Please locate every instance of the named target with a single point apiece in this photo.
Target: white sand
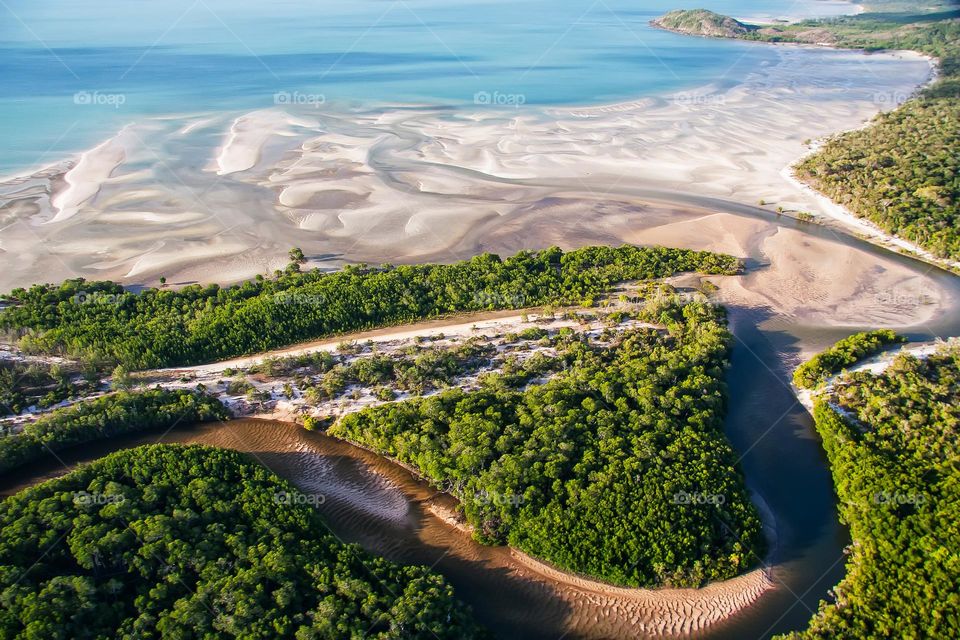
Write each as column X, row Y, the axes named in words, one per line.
column 876, row 364
column 248, row 134
column 86, row 178
column 404, row 185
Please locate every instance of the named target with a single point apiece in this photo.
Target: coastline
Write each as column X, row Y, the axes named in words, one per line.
column 862, row 227
column 832, row 210
column 408, row 186
column 875, row 364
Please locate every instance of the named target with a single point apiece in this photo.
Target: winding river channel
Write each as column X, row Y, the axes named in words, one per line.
column 381, row 506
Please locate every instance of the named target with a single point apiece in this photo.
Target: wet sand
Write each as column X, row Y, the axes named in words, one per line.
column 220, row 198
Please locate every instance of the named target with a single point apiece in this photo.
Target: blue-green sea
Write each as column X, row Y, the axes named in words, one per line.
column 73, row 73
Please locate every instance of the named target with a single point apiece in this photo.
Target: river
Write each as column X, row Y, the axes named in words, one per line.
column 381, row 506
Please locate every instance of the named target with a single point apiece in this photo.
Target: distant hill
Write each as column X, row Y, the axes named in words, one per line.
column 701, row 22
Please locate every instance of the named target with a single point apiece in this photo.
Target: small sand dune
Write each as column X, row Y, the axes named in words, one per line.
column 248, row 134
column 85, row 179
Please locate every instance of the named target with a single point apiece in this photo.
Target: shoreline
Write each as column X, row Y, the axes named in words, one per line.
column 408, row 186
column 860, row 227
column 875, row 364
column 656, row 611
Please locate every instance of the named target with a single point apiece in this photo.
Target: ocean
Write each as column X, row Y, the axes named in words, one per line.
column 75, row 73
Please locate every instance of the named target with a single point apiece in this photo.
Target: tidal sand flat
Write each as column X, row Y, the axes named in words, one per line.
column 217, row 199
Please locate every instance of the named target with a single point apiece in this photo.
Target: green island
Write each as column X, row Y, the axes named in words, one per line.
column 187, row 541
column 844, row 353
column 891, row 438
column 616, row 467
column 105, row 417
column 902, row 172
column 100, row 322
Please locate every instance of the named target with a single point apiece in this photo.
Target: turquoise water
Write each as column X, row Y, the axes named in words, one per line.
column 73, row 73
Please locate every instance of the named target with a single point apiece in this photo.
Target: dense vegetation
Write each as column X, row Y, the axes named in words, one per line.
column 194, row 542
column 197, row 324
column 844, row 353
column 702, row 22
column 616, row 467
column 105, row 417
column 903, row 172
column 894, row 458
column 25, row 384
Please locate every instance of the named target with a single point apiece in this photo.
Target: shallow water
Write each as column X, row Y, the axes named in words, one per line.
column 74, row 73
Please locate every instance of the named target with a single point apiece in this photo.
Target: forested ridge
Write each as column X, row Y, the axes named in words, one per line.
column 196, row 542
column 616, row 468
column 158, row 327
column 892, row 441
column 902, row 172
column 105, row 417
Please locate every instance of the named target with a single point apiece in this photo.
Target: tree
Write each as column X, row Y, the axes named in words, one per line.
column 296, row 256
column 121, row 379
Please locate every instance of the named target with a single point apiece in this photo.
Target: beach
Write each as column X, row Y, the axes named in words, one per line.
column 220, row 199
